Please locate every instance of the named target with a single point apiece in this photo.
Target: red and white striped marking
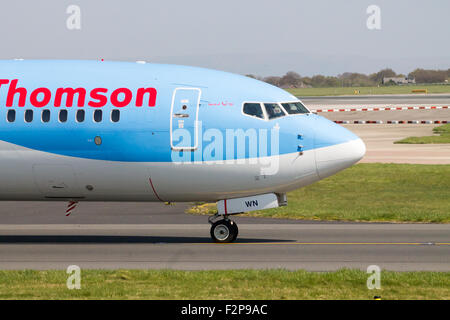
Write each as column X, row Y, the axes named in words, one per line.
column 70, row 207
column 392, row 122
column 380, row 109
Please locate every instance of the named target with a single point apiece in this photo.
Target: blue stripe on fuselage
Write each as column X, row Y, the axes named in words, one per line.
column 142, row 134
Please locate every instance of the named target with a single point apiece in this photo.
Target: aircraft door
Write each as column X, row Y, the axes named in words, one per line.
column 184, row 118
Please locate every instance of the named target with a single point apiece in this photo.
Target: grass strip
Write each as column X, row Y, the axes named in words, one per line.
column 442, row 135
column 372, row 192
column 227, row 284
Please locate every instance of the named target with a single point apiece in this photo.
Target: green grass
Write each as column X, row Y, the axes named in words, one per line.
column 442, row 136
column 304, row 92
column 369, row 192
column 228, row 284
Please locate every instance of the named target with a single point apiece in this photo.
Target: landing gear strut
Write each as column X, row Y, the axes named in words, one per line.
column 223, row 230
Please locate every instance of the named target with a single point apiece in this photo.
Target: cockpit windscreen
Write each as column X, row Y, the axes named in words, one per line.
column 273, row 110
column 294, row 108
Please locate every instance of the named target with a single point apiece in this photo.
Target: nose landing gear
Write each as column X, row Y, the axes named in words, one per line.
column 223, row 230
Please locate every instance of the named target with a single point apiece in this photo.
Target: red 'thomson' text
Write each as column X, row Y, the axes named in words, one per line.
column 68, row 97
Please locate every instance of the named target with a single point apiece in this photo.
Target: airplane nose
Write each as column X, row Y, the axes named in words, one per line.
column 334, row 158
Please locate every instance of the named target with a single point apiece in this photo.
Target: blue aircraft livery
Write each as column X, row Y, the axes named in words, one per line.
column 122, row 131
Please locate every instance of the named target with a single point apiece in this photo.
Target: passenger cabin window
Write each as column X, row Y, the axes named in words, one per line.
column 254, row 110
column 11, row 115
column 295, row 108
column 115, row 115
column 28, row 115
column 80, row 115
column 45, row 117
column 62, row 115
column 273, row 110
column 98, row 115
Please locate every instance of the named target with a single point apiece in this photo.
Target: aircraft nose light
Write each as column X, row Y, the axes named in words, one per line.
column 332, row 159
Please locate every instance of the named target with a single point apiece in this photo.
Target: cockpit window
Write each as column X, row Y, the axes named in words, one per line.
column 254, row 110
column 273, row 110
column 294, row 108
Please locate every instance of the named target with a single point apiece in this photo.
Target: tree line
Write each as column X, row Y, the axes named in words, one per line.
column 352, row 79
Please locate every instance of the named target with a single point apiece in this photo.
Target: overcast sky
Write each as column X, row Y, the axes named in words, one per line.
column 263, row 37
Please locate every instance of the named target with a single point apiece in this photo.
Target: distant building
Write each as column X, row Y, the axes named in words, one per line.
column 398, row 80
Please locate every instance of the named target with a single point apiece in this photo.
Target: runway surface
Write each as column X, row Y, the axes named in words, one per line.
column 395, row 99
column 318, row 247
column 151, row 235
column 405, row 115
column 380, row 138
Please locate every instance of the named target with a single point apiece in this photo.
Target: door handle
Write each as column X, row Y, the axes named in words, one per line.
column 180, row 115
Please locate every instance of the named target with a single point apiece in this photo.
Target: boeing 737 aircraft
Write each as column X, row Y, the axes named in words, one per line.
column 122, row 131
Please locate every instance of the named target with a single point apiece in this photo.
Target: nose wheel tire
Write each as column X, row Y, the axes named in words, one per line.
column 224, row 231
